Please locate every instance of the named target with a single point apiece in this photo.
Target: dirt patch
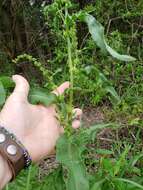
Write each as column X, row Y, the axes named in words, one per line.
column 92, row 115
column 47, row 166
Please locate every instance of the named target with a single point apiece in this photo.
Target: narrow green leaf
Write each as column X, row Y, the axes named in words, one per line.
column 97, row 32
column 69, row 154
column 97, row 127
column 115, row 98
column 136, row 159
column 2, row 94
column 37, row 96
column 97, row 185
column 91, row 132
column 48, row 182
column 121, row 162
column 130, row 182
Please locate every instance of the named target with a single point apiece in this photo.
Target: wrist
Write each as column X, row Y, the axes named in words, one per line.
column 14, row 152
column 5, row 172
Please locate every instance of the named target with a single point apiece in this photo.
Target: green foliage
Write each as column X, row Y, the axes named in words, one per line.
column 97, row 32
column 46, row 74
column 28, row 180
column 89, row 89
column 5, row 84
column 69, row 155
column 2, row 94
column 70, row 54
column 113, row 171
column 37, row 96
column 68, row 34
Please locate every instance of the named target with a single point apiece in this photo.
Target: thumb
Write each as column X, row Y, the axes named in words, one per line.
column 21, row 89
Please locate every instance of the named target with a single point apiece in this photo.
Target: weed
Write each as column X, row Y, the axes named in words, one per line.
column 117, row 168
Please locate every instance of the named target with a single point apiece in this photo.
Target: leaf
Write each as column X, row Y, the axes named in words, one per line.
column 21, row 181
column 97, row 32
column 129, row 182
column 108, row 165
column 48, row 183
column 7, row 82
column 2, row 94
column 136, row 159
column 69, row 154
column 91, row 132
column 121, row 162
column 96, row 127
column 97, row 185
column 37, row 96
column 115, row 98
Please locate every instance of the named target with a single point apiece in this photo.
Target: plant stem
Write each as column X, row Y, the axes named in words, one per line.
column 28, row 179
column 70, row 62
column 70, row 70
column 7, row 187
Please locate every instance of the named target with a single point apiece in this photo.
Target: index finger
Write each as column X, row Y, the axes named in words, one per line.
column 60, row 90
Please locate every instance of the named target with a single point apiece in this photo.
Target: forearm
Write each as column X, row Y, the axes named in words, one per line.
column 5, row 172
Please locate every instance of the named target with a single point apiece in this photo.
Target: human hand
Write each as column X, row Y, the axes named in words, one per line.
column 35, row 126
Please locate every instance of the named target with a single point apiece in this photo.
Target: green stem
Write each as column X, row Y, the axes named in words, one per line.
column 7, row 187
column 28, row 179
column 70, row 62
column 70, row 70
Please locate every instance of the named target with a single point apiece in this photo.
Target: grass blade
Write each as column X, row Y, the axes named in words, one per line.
column 130, row 182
